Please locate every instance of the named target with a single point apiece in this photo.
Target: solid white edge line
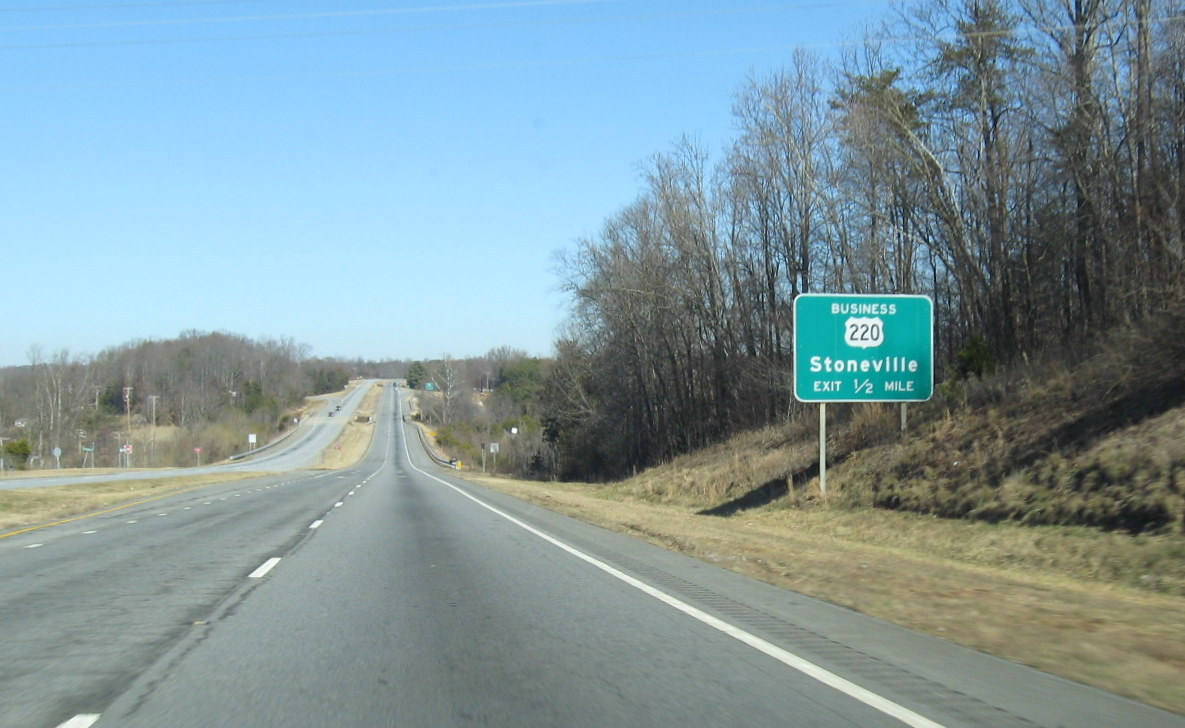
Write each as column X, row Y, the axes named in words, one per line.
column 806, row 667
column 264, row 568
column 84, row 720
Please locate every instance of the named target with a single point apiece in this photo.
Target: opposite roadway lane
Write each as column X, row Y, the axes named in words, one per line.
column 395, row 594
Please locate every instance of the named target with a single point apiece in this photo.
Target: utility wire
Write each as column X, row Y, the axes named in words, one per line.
column 507, row 66
column 543, row 23
column 326, row 15
column 125, row 6
column 425, row 28
column 576, row 61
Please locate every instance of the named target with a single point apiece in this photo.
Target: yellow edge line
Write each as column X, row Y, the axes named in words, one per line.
column 92, row 514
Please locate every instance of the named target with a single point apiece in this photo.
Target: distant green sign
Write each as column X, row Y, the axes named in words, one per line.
column 863, row 348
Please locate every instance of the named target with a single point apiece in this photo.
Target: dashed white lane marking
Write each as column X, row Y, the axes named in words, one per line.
column 84, row 720
column 264, row 568
column 317, row 523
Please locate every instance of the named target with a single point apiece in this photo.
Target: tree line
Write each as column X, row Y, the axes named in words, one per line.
column 212, row 388
column 1022, row 162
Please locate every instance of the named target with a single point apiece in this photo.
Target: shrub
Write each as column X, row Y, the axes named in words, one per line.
column 20, row 450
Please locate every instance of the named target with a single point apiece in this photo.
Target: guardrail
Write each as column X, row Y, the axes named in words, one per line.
column 451, row 463
column 291, row 431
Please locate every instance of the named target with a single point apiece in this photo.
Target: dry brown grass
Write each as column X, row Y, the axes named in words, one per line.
column 967, row 583
column 1091, row 437
column 716, row 474
column 58, row 473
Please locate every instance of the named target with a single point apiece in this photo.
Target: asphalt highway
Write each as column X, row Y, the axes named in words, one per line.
column 396, row 594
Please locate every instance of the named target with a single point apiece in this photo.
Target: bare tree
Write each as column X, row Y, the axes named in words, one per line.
column 450, row 378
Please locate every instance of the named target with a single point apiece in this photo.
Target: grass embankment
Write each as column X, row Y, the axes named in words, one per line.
column 1094, row 440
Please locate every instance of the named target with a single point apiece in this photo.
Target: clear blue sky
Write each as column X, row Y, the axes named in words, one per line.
column 373, row 178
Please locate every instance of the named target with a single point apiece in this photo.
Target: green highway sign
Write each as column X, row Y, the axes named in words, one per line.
column 863, row 348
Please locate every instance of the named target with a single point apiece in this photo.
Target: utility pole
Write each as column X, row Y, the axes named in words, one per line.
column 152, row 447
column 127, row 406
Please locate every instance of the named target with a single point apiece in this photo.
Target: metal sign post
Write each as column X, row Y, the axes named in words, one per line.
column 823, row 449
